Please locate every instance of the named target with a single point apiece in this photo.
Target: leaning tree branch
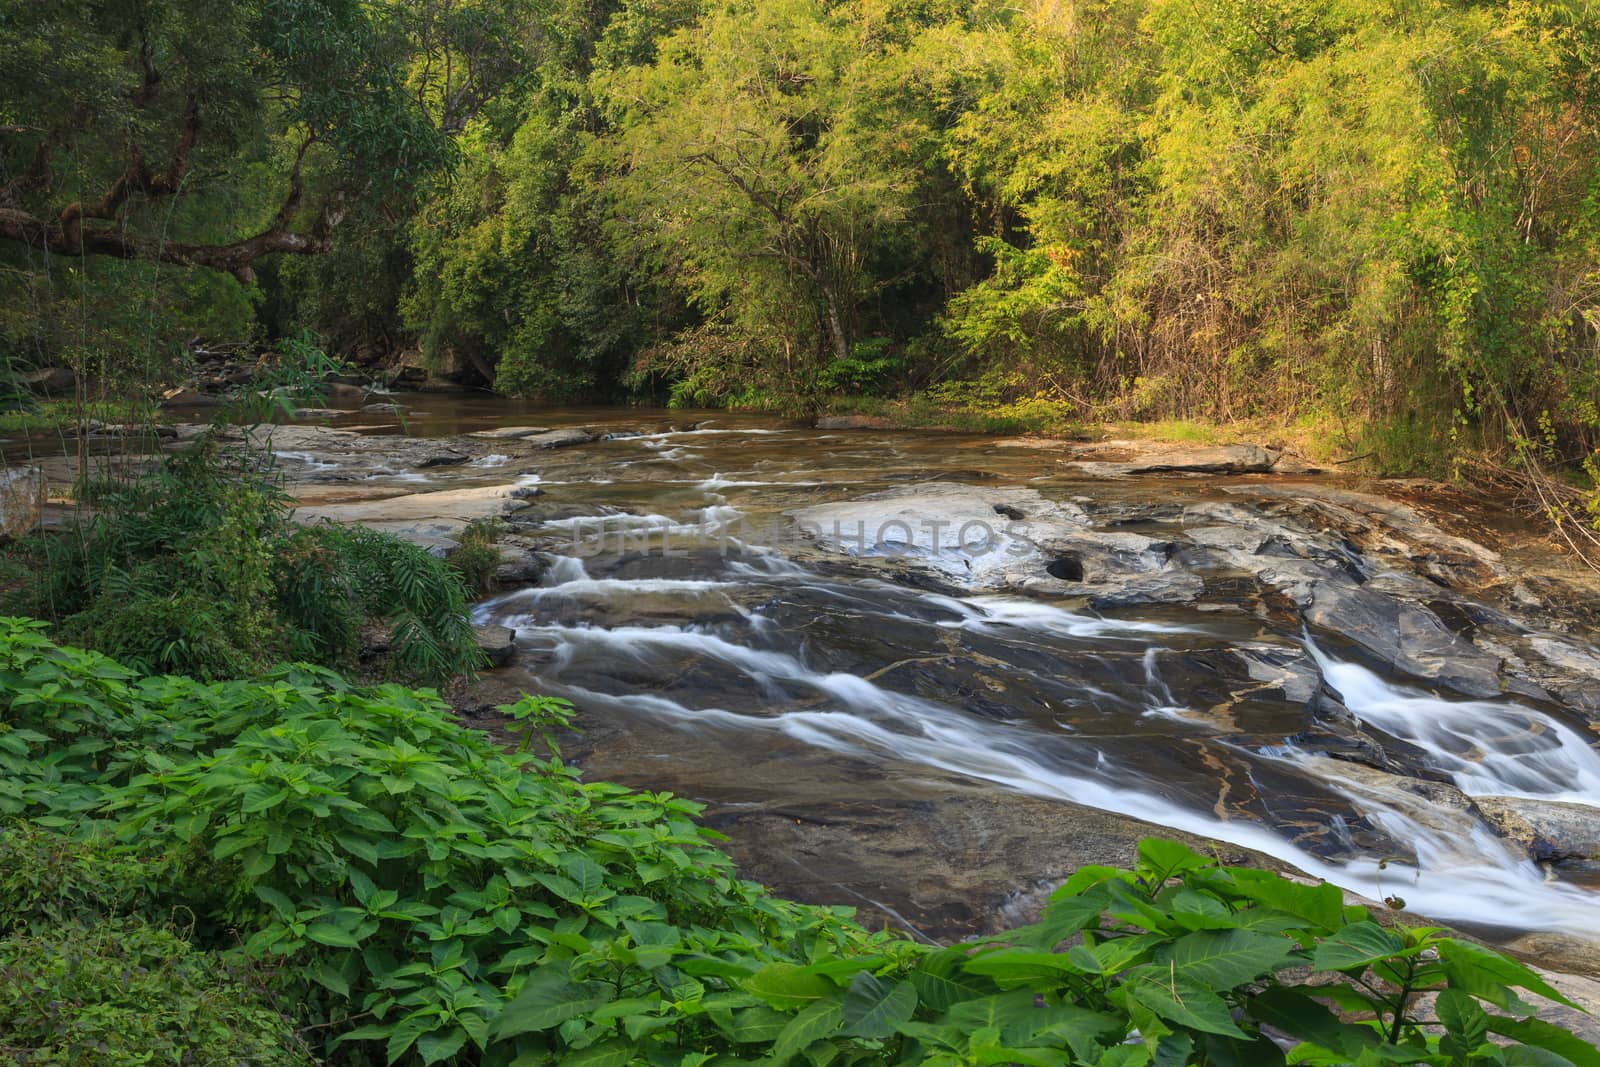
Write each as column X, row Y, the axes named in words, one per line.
column 68, row 235
column 237, row 257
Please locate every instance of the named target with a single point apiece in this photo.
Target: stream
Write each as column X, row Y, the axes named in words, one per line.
column 907, row 670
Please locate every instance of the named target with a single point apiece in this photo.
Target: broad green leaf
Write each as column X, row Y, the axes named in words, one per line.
column 822, row 1019
column 549, row 999
column 1223, row 959
column 1163, row 858
column 441, row 1045
column 1468, row 964
column 613, row 1053
column 787, row 985
column 873, row 1007
column 1182, row 1001
column 1356, row 947
column 1549, row 1036
column 1321, row 905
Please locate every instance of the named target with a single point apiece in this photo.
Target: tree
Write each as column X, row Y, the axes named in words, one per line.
column 758, row 160
column 152, row 129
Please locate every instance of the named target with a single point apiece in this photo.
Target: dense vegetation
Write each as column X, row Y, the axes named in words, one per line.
column 1378, row 216
column 289, row 869
column 195, row 567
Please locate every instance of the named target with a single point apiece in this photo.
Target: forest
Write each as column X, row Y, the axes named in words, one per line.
column 1368, row 229
column 1372, row 220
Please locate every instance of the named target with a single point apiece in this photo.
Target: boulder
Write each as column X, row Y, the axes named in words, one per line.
column 518, row 565
column 561, row 438
column 1221, row 459
column 497, row 643
column 512, row 431
column 51, row 381
column 973, row 535
column 1546, row 829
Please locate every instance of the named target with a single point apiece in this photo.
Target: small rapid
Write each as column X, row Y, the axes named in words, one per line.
column 1142, row 649
column 1445, row 863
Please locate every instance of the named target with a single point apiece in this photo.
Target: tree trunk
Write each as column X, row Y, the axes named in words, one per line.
column 836, row 331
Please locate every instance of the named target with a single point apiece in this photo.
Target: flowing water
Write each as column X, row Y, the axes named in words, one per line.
column 696, row 611
column 732, row 660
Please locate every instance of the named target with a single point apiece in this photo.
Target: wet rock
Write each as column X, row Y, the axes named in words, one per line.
column 518, row 564
column 1220, row 459
column 51, row 381
column 1383, row 527
column 384, row 409
column 975, row 535
column 1114, row 568
column 443, row 513
column 1546, row 829
column 319, row 413
column 1405, row 637
column 854, row 422
column 497, row 643
column 511, row 431
column 561, row 438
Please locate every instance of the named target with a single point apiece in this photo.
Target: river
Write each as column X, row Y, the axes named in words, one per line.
column 909, row 721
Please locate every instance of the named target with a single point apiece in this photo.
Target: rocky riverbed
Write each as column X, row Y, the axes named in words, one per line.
column 930, row 673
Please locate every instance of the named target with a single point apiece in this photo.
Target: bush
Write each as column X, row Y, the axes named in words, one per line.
column 198, row 569
column 121, row 992
column 426, row 897
column 477, row 558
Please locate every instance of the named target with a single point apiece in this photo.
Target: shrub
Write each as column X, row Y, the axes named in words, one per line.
column 119, row 992
column 477, row 558
column 198, row 569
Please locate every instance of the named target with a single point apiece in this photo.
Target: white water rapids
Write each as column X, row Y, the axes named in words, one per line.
column 1459, row 870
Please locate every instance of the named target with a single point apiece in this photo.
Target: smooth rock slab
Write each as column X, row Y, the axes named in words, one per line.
column 445, row 512
column 1222, row 459
column 512, row 431
column 970, row 534
column 1547, row 829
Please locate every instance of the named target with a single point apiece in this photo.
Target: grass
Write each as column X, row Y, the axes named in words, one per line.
column 1319, row 437
column 54, row 416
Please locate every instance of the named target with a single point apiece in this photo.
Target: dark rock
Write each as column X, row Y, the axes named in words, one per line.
column 561, row 438
column 497, row 643
column 51, row 380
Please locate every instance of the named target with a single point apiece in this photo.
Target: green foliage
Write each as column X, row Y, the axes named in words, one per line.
column 421, row 896
column 477, row 558
column 198, row 568
column 122, row 991
column 871, row 369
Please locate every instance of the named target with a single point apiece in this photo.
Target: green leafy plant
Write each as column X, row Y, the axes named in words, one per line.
column 198, row 568
column 421, row 896
column 122, row 991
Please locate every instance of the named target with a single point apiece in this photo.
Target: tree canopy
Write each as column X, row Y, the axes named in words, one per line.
column 1377, row 211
